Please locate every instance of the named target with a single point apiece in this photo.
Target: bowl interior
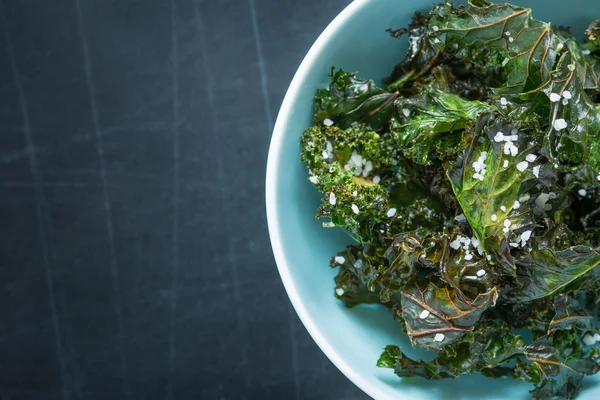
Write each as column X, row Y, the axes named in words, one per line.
column 353, row 339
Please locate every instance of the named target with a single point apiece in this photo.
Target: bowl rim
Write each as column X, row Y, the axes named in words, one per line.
column 273, row 222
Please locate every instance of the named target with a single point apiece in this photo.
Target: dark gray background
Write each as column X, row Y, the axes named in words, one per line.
column 135, row 261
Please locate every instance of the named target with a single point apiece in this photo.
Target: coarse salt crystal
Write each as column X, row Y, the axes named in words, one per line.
column 376, row 179
column 554, row 97
column 516, row 205
column 469, row 257
column 358, row 264
column 327, row 122
column 567, row 94
column 406, row 112
column 325, row 154
column 531, row 157
column 526, row 235
column 355, row 209
column 424, row 314
column 391, row 212
column 586, row 52
column 436, row 28
column 503, row 101
column 505, row 164
column 503, row 208
column 481, row 272
column 339, row 259
column 536, row 171
column 571, row 67
column 597, row 337
column 455, row 245
column 439, row 337
column 524, row 198
column 507, row 223
column 582, row 192
column 494, row 217
column 522, row 166
column 332, row 199
column 314, row 179
column 560, row 124
column 514, row 244
column 355, row 193
column 565, row 102
column 588, row 340
column 339, row 291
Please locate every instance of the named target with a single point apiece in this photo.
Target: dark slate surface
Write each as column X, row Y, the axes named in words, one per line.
column 135, row 261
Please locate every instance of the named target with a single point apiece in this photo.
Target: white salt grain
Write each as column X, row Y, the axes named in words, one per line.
column 424, row 314
column 560, row 124
column 376, row 179
column 355, row 209
column 339, row 291
column 522, row 166
column 531, row 157
column 332, row 199
column 439, row 337
column 339, row 259
column 481, row 272
column 589, row 340
column 327, row 122
column 554, row 97
column 314, row 179
column 582, row 192
column 391, row 212
column 494, row 217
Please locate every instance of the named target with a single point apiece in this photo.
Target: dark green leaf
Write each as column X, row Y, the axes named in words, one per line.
column 543, row 272
column 488, row 201
column 437, row 316
column 432, row 123
column 350, row 100
column 568, row 314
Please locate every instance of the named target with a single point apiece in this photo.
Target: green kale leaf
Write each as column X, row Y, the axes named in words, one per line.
column 350, row 99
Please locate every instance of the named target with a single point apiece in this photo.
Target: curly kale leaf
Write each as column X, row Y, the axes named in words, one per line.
column 567, row 314
column 369, row 189
column 572, row 135
column 422, row 55
column 488, row 184
column 440, row 315
column 433, row 124
column 350, row 99
column 501, row 36
column 486, row 349
column 356, row 271
column 542, row 272
column 562, row 364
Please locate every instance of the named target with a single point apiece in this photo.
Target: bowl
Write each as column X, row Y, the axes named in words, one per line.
column 356, row 40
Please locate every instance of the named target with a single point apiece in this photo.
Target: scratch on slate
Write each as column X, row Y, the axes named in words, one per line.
column 176, row 154
column 292, row 327
column 261, row 65
column 241, row 322
column 39, row 200
column 87, row 66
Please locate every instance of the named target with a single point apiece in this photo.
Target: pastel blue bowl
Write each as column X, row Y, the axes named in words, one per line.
column 353, row 339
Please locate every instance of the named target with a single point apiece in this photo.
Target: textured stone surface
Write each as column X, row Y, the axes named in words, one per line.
column 135, row 257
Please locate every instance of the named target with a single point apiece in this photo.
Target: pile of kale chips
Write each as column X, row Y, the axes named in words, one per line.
column 469, row 180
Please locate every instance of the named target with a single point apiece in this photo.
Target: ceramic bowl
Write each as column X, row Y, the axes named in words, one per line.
column 356, row 40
